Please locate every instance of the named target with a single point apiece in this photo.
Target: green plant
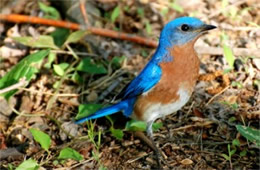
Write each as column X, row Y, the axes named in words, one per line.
column 42, row 138
column 115, row 14
column 49, row 11
column 134, row 125
column 92, row 134
column 117, row 133
column 45, row 141
column 29, row 164
column 231, row 151
column 253, row 135
column 148, row 27
column 228, row 54
column 174, row 5
column 69, row 153
column 87, row 109
column 26, row 68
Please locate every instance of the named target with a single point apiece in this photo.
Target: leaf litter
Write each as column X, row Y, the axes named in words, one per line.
column 196, row 137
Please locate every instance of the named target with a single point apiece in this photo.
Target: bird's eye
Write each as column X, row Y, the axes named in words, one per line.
column 185, row 27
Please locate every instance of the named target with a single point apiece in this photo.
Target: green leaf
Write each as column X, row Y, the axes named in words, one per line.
column 250, row 134
column 234, row 106
column 60, row 68
column 227, row 71
column 50, row 12
column 176, row 7
column 134, row 125
column 117, row 61
column 228, row 54
column 157, row 126
column 77, row 78
column 51, row 58
column 140, row 12
column 23, row 69
column 29, row 164
column 118, row 133
column 164, row 11
column 42, row 138
column 42, row 41
column 232, row 152
column 87, row 109
column 75, row 36
column 148, row 27
column 232, row 119
column 10, row 166
column 55, row 85
column 225, row 156
column 237, row 84
column 243, row 153
column 115, row 14
column 87, row 65
column 55, row 162
column 102, row 167
column 236, row 142
column 60, row 35
column 69, row 153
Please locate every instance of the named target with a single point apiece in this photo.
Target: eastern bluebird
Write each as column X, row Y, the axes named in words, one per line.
column 167, row 81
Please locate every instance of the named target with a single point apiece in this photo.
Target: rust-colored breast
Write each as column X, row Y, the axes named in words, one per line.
column 182, row 72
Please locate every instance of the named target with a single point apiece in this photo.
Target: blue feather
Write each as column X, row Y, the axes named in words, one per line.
column 150, row 76
column 126, row 106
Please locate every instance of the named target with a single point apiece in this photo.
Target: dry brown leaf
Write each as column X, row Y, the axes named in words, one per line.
column 186, row 161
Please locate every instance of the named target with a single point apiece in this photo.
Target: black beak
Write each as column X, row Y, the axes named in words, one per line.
column 207, row 27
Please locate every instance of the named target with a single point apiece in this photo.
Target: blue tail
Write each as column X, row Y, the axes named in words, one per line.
column 121, row 106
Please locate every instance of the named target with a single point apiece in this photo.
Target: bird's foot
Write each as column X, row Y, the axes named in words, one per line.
column 151, row 144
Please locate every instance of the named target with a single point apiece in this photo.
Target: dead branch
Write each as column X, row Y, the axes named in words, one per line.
column 118, row 35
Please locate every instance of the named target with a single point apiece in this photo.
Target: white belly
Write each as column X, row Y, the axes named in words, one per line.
column 159, row 110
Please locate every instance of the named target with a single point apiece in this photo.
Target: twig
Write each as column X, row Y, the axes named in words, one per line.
column 137, row 158
column 191, row 106
column 123, row 36
column 22, row 82
column 236, row 51
column 24, row 114
column 109, row 89
column 16, row 18
column 70, row 53
column 50, row 94
column 216, row 95
column 202, row 124
column 83, row 11
column 81, row 163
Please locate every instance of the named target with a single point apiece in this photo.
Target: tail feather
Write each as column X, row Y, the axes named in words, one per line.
column 121, row 106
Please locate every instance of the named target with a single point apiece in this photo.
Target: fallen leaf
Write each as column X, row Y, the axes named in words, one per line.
column 186, row 162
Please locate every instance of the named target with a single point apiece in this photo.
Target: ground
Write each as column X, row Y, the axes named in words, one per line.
column 204, row 134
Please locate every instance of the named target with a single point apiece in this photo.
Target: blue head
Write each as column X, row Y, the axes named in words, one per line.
column 178, row 32
column 182, row 30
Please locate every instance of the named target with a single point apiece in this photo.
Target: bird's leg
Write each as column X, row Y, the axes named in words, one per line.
column 150, row 142
column 149, row 131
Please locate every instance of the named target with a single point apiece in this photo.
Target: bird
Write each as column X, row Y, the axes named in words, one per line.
column 167, row 81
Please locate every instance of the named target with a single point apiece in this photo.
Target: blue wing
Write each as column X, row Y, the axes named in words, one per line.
column 150, row 76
